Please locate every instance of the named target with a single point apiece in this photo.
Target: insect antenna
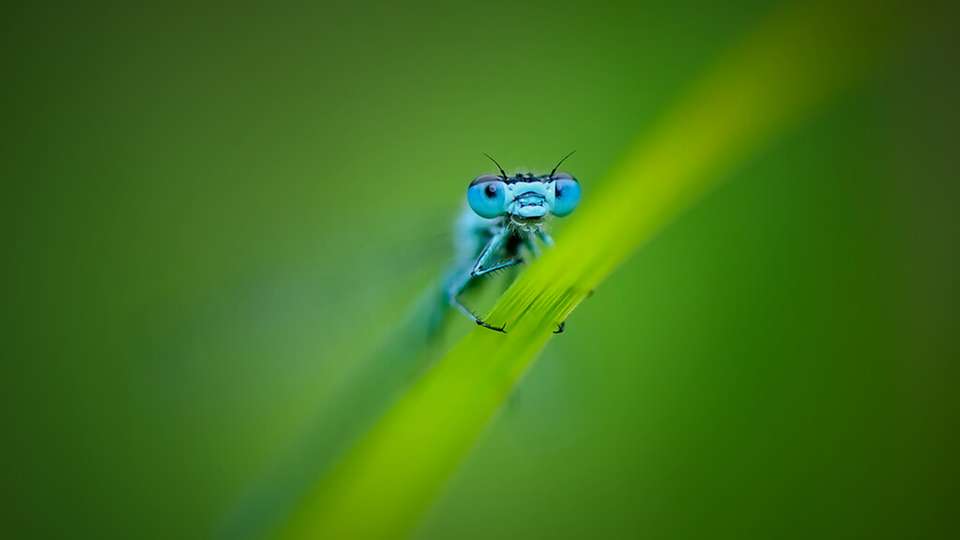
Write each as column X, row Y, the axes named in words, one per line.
column 564, row 158
column 502, row 173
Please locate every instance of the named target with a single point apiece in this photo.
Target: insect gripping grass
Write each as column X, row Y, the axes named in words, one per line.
column 506, row 214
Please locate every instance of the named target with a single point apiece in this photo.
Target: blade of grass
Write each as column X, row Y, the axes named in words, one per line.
column 801, row 57
column 373, row 384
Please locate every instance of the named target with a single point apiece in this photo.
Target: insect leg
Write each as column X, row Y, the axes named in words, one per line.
column 489, row 251
column 545, row 238
column 499, row 266
column 453, row 294
column 532, row 246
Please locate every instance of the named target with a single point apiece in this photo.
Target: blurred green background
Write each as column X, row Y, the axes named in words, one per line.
column 216, row 215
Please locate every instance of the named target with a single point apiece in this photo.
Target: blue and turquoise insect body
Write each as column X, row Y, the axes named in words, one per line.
column 504, row 214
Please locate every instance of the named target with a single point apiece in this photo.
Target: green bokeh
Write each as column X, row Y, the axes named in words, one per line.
column 214, row 215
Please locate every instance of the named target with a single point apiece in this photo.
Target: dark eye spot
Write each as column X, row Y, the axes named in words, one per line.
column 490, row 190
column 559, row 190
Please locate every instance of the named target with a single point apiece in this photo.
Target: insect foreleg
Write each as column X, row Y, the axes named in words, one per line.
column 545, row 237
column 532, row 246
column 491, row 250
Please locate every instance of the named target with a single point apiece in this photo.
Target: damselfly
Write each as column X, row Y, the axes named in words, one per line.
column 504, row 222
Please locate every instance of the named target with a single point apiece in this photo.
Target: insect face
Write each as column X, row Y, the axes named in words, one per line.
column 530, row 200
column 524, row 197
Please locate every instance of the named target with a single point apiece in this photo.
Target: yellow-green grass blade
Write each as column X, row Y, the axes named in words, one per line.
column 795, row 62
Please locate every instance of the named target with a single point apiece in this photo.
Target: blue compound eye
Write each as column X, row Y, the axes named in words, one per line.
column 566, row 194
column 487, row 196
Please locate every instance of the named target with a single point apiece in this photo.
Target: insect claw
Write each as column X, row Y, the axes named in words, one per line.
column 560, row 328
column 485, row 324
